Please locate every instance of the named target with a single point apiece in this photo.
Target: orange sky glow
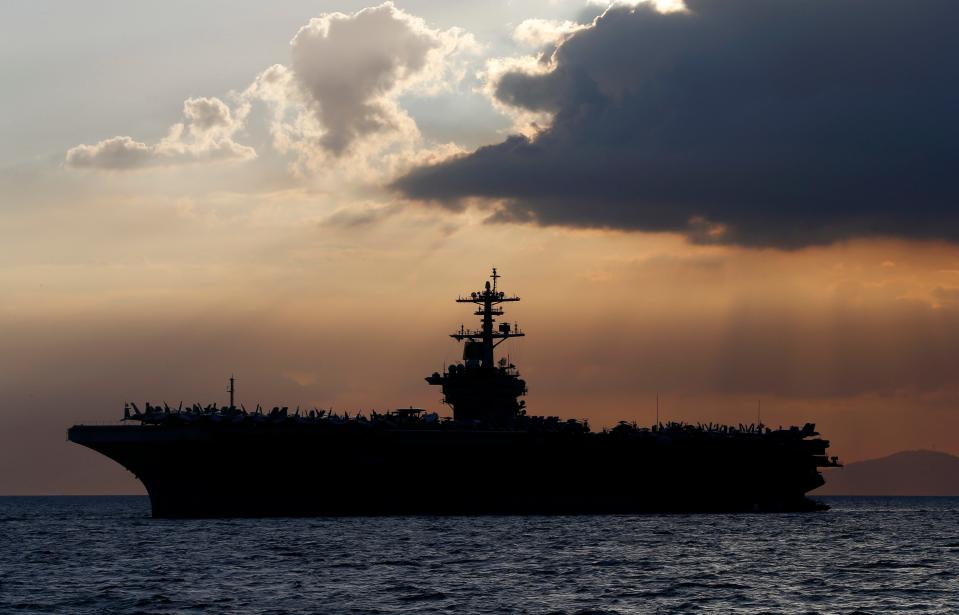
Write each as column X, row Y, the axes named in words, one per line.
column 859, row 338
column 296, row 194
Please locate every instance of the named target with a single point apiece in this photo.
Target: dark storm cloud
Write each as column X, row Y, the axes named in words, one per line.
column 769, row 123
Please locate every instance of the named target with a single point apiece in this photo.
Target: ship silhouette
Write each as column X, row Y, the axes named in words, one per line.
column 490, row 457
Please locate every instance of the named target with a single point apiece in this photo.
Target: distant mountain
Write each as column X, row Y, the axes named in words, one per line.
column 905, row 473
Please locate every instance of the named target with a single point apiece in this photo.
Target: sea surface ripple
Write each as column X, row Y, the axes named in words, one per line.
column 106, row 555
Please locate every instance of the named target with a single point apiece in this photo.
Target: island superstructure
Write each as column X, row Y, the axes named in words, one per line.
column 480, row 389
column 490, row 457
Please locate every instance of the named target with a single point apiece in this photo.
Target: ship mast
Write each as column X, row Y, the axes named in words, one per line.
column 487, row 302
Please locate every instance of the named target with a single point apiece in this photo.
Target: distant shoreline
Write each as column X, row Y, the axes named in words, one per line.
column 906, row 473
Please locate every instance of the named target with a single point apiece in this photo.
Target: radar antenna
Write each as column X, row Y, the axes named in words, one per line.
column 487, row 302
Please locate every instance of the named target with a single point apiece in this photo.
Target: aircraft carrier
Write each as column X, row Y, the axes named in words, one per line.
column 490, row 457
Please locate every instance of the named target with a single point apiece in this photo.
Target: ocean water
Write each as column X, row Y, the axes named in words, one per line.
column 106, row 555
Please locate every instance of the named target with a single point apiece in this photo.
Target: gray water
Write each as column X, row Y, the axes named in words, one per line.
column 105, row 555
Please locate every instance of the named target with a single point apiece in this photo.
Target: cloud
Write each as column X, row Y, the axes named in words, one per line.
column 208, row 114
column 784, row 124
column 117, row 153
column 335, row 108
column 542, row 32
column 346, row 65
column 205, row 136
column 358, row 215
column 663, row 6
column 338, row 98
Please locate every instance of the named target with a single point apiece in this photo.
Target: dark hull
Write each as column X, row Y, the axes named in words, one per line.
column 295, row 470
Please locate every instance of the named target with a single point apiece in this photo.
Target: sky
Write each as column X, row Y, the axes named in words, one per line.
column 716, row 201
